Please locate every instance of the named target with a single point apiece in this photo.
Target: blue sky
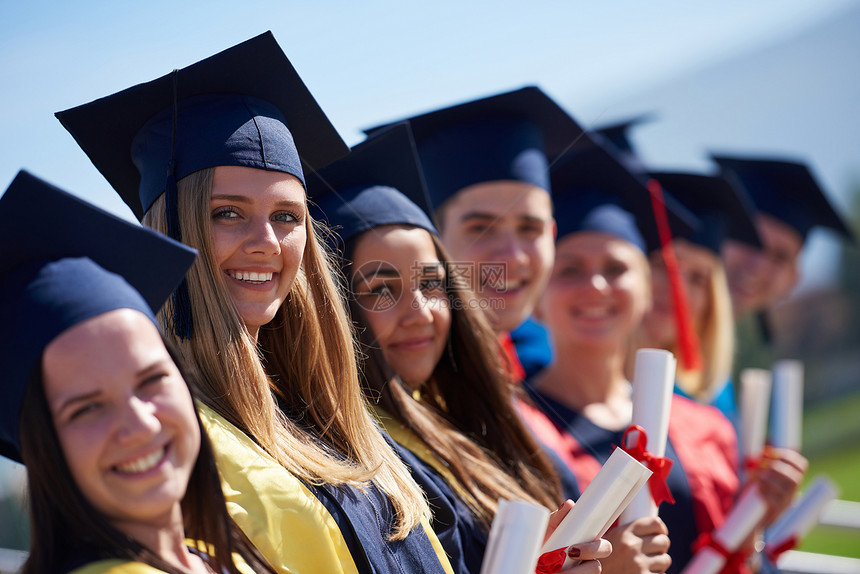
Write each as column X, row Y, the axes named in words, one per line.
column 366, row 62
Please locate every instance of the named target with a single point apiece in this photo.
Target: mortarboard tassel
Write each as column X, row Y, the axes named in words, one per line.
column 182, row 321
column 688, row 342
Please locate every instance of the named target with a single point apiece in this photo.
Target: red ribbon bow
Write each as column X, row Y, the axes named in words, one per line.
column 752, row 463
column 551, row 562
column 659, row 465
column 734, row 560
column 773, row 553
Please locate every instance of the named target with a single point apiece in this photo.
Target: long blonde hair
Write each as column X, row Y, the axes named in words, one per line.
column 305, row 358
column 716, row 341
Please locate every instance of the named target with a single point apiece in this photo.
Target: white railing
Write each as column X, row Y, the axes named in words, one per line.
column 842, row 514
column 795, row 562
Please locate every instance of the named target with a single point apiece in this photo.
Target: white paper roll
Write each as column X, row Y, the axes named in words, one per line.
column 515, row 538
column 755, row 400
column 739, row 524
column 787, row 408
column 803, row 515
column 653, row 385
column 602, row 502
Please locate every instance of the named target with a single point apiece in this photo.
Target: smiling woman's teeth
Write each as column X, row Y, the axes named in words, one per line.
column 142, row 464
column 251, row 276
column 595, row 312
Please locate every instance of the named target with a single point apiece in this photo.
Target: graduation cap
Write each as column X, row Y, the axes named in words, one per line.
column 378, row 183
column 85, row 262
column 618, row 136
column 785, row 190
column 245, row 106
column 594, row 191
column 511, row 136
column 723, row 210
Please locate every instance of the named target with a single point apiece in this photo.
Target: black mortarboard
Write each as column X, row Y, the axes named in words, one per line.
column 785, row 190
column 511, row 136
column 232, row 110
column 723, row 210
column 378, row 183
column 82, row 263
column 594, row 191
column 618, row 135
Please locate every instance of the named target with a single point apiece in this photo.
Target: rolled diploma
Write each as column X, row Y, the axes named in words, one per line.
column 739, row 524
column 602, row 502
column 803, row 515
column 515, row 538
column 653, row 385
column 755, row 400
column 787, row 404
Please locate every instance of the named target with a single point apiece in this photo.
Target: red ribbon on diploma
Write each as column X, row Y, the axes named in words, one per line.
column 752, row 463
column 734, row 560
column 774, row 553
column 551, row 562
column 659, row 465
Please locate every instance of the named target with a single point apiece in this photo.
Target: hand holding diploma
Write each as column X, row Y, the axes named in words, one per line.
column 599, row 506
column 518, row 531
column 778, row 469
column 786, row 533
column 653, row 385
column 640, row 547
column 779, row 476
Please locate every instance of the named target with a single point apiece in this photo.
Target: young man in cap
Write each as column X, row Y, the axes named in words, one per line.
column 789, row 203
column 486, row 163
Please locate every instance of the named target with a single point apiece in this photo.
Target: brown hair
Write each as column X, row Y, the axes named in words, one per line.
column 466, row 414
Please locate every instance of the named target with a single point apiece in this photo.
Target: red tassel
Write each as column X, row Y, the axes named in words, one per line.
column 688, row 342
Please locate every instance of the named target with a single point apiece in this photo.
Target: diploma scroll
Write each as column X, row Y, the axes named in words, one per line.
column 755, row 401
column 798, row 520
column 653, row 386
column 787, row 406
column 739, row 524
column 515, row 538
column 601, row 504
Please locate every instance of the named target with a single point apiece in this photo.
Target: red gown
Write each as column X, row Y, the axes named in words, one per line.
column 702, row 444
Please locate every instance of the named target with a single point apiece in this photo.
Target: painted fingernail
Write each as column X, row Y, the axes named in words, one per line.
column 573, row 552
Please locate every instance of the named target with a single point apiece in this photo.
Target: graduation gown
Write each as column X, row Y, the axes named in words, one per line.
column 462, row 536
column 702, row 445
column 301, row 528
column 127, row 567
column 724, row 400
column 120, row 567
